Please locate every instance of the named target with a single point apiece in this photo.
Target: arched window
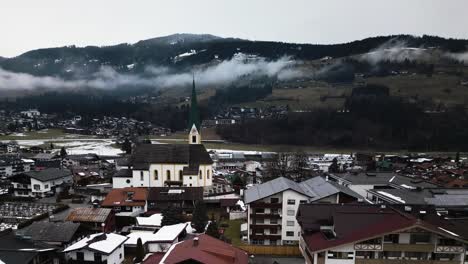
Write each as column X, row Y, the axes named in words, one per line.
column 181, row 178
column 201, row 174
column 156, row 176
column 207, row 174
column 168, row 175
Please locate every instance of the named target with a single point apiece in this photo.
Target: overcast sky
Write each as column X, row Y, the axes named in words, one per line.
column 32, row 24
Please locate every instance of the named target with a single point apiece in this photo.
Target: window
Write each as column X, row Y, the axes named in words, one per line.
column 156, row 176
column 194, row 139
column 340, row 255
column 120, row 255
column 46, row 186
column 290, row 223
column 391, row 254
column 391, row 238
column 289, row 233
column 291, row 201
column 273, row 221
column 37, row 187
column 303, row 201
column 274, row 211
column 207, row 174
column 258, row 242
column 168, row 175
column 141, row 175
column 416, row 255
column 259, row 221
column 80, row 256
column 97, row 257
column 259, row 210
column 127, row 181
column 291, row 212
column 274, row 200
column 201, row 174
column 273, row 231
column 181, row 175
column 418, row 238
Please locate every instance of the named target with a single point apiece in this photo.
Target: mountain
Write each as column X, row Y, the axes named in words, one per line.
column 182, row 51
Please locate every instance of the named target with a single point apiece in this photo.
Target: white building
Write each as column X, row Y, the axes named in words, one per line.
column 160, row 165
column 98, row 248
column 160, row 241
column 40, row 183
column 272, row 207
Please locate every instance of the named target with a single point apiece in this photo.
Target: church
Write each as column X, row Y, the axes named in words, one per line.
column 160, row 165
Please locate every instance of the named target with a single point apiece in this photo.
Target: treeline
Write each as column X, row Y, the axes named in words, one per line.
column 235, row 94
column 380, row 122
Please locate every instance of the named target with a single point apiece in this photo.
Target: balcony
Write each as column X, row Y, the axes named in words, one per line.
column 266, row 205
column 263, row 236
column 368, row 247
column 409, row 247
column 403, row 261
column 254, row 226
column 449, row 249
column 263, row 216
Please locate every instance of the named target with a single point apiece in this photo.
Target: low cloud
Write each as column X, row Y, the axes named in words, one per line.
column 107, row 78
column 395, row 50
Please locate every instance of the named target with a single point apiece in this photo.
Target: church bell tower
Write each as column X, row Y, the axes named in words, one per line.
column 194, row 119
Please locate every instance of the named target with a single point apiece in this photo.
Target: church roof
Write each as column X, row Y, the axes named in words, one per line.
column 192, row 154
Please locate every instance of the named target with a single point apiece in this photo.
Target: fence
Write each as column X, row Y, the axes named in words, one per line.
column 272, row 250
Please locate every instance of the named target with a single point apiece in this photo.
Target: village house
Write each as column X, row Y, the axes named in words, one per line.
column 201, row 249
column 41, row 183
column 160, row 165
column 272, row 207
column 97, row 248
column 160, row 241
column 95, row 219
column 160, row 198
column 371, row 234
column 130, row 201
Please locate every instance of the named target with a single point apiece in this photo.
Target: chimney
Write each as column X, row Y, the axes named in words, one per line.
column 195, row 241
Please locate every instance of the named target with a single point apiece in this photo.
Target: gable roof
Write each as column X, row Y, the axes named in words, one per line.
column 315, row 188
column 354, row 223
column 120, row 197
column 82, row 214
column 16, row 250
column 175, row 194
column 49, row 231
column 208, row 250
column 383, row 178
column 101, row 242
column 48, row 174
column 147, row 154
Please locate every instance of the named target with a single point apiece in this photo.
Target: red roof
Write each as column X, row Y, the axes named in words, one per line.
column 155, row 258
column 130, row 196
column 208, row 250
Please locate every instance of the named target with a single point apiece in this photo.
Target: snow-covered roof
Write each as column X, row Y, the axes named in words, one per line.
column 105, row 243
column 154, row 220
column 170, row 232
column 144, row 236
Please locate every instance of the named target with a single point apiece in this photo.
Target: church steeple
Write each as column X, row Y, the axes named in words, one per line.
column 194, row 118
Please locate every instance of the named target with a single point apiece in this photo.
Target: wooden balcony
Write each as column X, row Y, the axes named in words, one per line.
column 403, row 261
column 254, row 226
column 368, row 247
column 449, row 249
column 263, row 216
column 409, row 247
column 266, row 205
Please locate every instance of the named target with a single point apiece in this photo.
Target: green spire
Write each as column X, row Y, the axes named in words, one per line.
column 194, row 117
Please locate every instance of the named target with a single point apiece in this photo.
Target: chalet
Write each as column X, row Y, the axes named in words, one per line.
column 160, row 198
column 96, row 219
column 130, row 201
column 40, row 183
column 97, row 248
column 365, row 234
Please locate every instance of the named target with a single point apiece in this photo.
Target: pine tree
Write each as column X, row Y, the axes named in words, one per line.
column 200, row 217
column 140, row 251
column 457, row 157
column 127, row 146
column 172, row 216
column 63, row 153
column 213, row 229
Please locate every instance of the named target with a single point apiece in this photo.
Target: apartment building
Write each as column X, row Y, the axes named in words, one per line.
column 378, row 234
column 272, row 207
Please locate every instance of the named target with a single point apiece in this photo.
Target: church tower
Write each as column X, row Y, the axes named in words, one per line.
column 194, row 119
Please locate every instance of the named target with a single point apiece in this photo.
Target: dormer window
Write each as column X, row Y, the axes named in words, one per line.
column 194, row 139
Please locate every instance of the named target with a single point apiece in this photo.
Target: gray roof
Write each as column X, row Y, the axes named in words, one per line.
column 45, row 156
column 435, row 196
column 383, row 179
column 316, row 188
column 49, row 231
column 49, row 174
column 147, row 154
